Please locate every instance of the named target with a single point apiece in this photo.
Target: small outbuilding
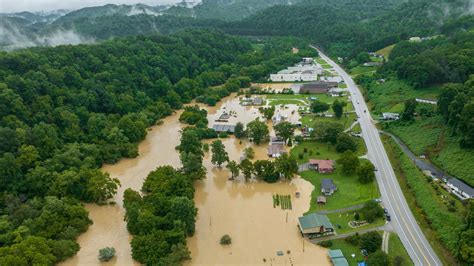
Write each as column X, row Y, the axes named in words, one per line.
column 337, row 257
column 275, row 150
column 321, row 200
column 227, row 128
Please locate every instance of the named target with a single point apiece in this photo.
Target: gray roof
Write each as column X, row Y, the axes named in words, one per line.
column 224, row 127
column 327, row 184
column 462, row 186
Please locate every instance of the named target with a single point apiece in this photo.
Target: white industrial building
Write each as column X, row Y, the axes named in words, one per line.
column 306, row 70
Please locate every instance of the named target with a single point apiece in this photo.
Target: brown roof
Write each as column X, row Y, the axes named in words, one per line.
column 322, row 164
column 276, row 148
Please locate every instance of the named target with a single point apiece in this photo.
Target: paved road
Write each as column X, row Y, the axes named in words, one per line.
column 403, row 221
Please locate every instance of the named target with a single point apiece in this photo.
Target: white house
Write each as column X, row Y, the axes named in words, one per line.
column 434, row 102
column 390, row 116
column 337, row 79
column 460, row 189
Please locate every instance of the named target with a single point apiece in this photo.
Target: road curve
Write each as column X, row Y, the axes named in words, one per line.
column 403, row 221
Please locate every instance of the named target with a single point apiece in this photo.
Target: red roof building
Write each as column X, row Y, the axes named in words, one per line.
column 322, row 166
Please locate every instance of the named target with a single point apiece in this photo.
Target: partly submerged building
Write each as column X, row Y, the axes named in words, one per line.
column 315, row 225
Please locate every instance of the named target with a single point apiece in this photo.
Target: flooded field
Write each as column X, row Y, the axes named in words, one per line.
column 244, row 210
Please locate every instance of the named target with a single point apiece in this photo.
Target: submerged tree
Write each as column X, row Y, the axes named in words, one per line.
column 219, row 154
column 233, row 168
column 258, row 131
column 106, row 254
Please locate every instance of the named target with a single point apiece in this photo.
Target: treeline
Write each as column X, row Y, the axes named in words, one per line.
column 65, row 111
column 436, row 61
column 345, row 28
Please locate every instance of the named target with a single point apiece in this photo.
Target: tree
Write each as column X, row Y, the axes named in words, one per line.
column 372, row 211
column 266, row 170
column 226, row 240
column 371, row 241
column 319, row 107
column 365, row 172
column 249, row 153
column 345, row 142
column 379, row 258
column 100, row 186
column 246, row 166
column 258, row 131
column 349, row 162
column 267, row 112
column 409, row 111
column 233, row 168
column 192, row 165
column 106, row 254
column 284, row 130
column 182, row 209
column 219, row 154
column 328, row 131
column 338, row 108
column 239, row 131
column 286, row 166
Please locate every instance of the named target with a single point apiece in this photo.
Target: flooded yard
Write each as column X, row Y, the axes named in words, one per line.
column 244, row 210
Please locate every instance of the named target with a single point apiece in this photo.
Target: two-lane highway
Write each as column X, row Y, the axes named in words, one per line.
column 403, row 221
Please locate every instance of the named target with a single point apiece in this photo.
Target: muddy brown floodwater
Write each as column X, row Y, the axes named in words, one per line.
column 244, row 210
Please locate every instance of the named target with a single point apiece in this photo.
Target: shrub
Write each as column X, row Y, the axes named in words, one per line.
column 356, row 216
column 325, row 244
column 226, row 240
column 106, row 253
column 353, row 239
column 371, row 241
column 300, row 156
column 223, row 135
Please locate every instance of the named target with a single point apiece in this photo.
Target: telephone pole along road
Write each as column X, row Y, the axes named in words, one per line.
column 403, row 221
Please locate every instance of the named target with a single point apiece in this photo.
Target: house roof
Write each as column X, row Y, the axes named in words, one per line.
column 276, row 148
column 335, row 253
column 323, row 164
column 462, row 186
column 340, row 262
column 321, row 199
column 224, row 116
column 224, row 127
column 327, row 184
column 314, row 220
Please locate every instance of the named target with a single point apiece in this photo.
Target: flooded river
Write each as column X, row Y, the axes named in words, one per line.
column 244, row 210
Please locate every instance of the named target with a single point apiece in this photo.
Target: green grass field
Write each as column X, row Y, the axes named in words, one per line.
column 386, row 51
column 349, row 190
column 341, row 220
column 348, row 249
column 279, row 99
column 313, row 120
column 429, row 208
column 358, row 70
column 430, row 136
column 396, row 249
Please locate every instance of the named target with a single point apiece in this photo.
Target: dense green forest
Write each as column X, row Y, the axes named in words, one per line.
column 66, row 110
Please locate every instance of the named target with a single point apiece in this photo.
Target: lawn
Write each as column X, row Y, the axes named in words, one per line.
column 349, row 191
column 396, row 249
column 431, row 137
column 279, row 99
column 323, row 63
column 312, row 120
column 358, row 70
column 341, row 220
column 348, row 249
column 386, row 51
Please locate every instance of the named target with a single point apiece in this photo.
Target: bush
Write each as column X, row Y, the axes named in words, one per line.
column 223, row 135
column 226, row 240
column 357, row 216
column 353, row 239
column 371, row 241
column 106, row 254
column 325, row 244
column 379, row 258
column 300, row 156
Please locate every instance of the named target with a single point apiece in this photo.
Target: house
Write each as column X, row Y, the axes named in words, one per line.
column 337, row 257
column 315, row 225
column 278, row 118
column 390, row 116
column 223, row 117
column 328, row 187
column 227, row 128
column 276, row 150
column 323, row 166
column 372, row 64
column 460, row 189
column 277, row 140
column 307, row 60
column 428, row 101
column 337, row 79
column 336, row 92
column 414, row 39
column 295, row 50
column 258, row 101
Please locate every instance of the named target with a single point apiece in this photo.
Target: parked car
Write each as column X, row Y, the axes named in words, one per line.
column 388, row 217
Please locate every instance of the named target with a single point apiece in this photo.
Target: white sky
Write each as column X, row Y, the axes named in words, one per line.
column 7, row 6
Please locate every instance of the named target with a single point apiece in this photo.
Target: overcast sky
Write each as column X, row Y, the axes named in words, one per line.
column 7, row 6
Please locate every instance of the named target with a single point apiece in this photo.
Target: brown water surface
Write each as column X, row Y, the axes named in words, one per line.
column 244, row 210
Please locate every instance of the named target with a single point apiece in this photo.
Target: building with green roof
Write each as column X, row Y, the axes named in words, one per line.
column 337, row 257
column 315, row 225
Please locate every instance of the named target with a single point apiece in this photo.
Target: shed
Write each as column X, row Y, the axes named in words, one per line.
column 337, row 257
column 276, row 150
column 321, row 200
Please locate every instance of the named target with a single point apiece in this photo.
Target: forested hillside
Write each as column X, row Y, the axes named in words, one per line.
column 66, row 110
